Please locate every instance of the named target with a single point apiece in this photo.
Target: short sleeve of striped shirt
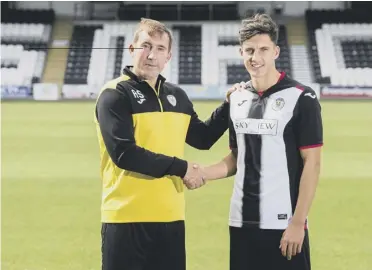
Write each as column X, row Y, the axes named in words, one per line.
column 310, row 126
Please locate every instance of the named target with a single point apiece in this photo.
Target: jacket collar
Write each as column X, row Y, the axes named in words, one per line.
column 127, row 71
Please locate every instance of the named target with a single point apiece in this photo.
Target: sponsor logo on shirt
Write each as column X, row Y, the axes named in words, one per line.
column 256, row 126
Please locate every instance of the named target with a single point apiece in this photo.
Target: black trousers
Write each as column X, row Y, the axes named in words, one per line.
column 258, row 249
column 143, row 246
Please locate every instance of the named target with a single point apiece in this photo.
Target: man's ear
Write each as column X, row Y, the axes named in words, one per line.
column 131, row 49
column 241, row 51
column 169, row 56
column 277, row 52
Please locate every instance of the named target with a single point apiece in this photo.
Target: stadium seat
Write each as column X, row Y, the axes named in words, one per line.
column 174, row 63
column 117, row 37
column 26, row 69
column 24, row 42
column 201, row 54
column 119, row 55
column 43, row 16
column 33, row 33
column 210, row 63
column 127, row 30
column 221, row 61
column 24, row 50
column 357, row 53
column 352, row 77
column 190, row 47
column 79, row 57
column 132, row 12
column 283, row 63
column 329, row 31
column 343, row 46
column 236, row 72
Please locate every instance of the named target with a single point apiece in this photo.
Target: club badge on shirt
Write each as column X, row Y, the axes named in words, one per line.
column 172, row 100
column 278, row 104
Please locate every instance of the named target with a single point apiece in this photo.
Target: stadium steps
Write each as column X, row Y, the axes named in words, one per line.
column 296, row 32
column 297, row 41
column 300, row 64
column 57, row 58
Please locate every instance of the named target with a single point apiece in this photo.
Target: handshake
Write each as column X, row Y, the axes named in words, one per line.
column 195, row 176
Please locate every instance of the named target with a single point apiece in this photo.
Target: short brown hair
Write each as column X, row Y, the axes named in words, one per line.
column 152, row 27
column 257, row 25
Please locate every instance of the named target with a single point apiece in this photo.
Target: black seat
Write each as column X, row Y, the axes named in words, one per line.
column 79, row 54
column 189, row 55
column 356, row 54
column 236, row 73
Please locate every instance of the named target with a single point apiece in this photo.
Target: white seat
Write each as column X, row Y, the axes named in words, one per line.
column 40, row 31
column 98, row 60
column 352, row 77
column 39, row 64
column 46, row 33
column 330, row 52
column 29, row 63
column 17, row 32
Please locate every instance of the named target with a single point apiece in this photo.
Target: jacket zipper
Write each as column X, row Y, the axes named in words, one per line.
column 161, row 105
column 157, row 96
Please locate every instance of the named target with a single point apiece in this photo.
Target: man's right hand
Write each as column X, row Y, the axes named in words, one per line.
column 193, row 178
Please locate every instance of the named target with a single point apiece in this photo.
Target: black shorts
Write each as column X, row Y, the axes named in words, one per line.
column 143, row 246
column 257, row 249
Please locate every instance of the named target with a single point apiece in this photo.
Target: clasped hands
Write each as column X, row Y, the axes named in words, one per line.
column 195, row 176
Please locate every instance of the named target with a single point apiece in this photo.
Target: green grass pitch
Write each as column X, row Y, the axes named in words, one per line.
column 51, row 191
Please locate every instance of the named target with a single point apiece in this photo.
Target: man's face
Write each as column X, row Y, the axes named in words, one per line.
column 259, row 54
column 150, row 61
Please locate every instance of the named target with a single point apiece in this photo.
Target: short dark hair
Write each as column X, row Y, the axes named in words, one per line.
column 153, row 27
column 257, row 25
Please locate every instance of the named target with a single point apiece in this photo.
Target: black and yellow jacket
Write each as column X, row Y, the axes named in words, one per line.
column 142, row 133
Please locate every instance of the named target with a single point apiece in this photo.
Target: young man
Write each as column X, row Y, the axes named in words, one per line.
column 275, row 137
column 142, row 125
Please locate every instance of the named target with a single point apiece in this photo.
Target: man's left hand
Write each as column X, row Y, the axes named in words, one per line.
column 292, row 240
column 238, row 86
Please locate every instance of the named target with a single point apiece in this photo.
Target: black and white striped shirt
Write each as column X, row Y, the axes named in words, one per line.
column 269, row 129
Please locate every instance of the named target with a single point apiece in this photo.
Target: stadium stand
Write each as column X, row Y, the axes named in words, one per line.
column 183, row 12
column 43, row 16
column 79, row 57
column 24, row 41
column 357, row 53
column 335, row 49
column 299, row 57
column 189, row 54
column 118, row 56
column 105, row 64
column 284, row 61
column 300, row 64
column 132, row 12
column 194, row 60
column 335, row 60
column 231, row 68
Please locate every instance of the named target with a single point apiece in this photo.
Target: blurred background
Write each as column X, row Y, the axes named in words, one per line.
column 65, row 51
column 69, row 49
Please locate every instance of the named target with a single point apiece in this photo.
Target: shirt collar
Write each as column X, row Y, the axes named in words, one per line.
column 280, row 84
